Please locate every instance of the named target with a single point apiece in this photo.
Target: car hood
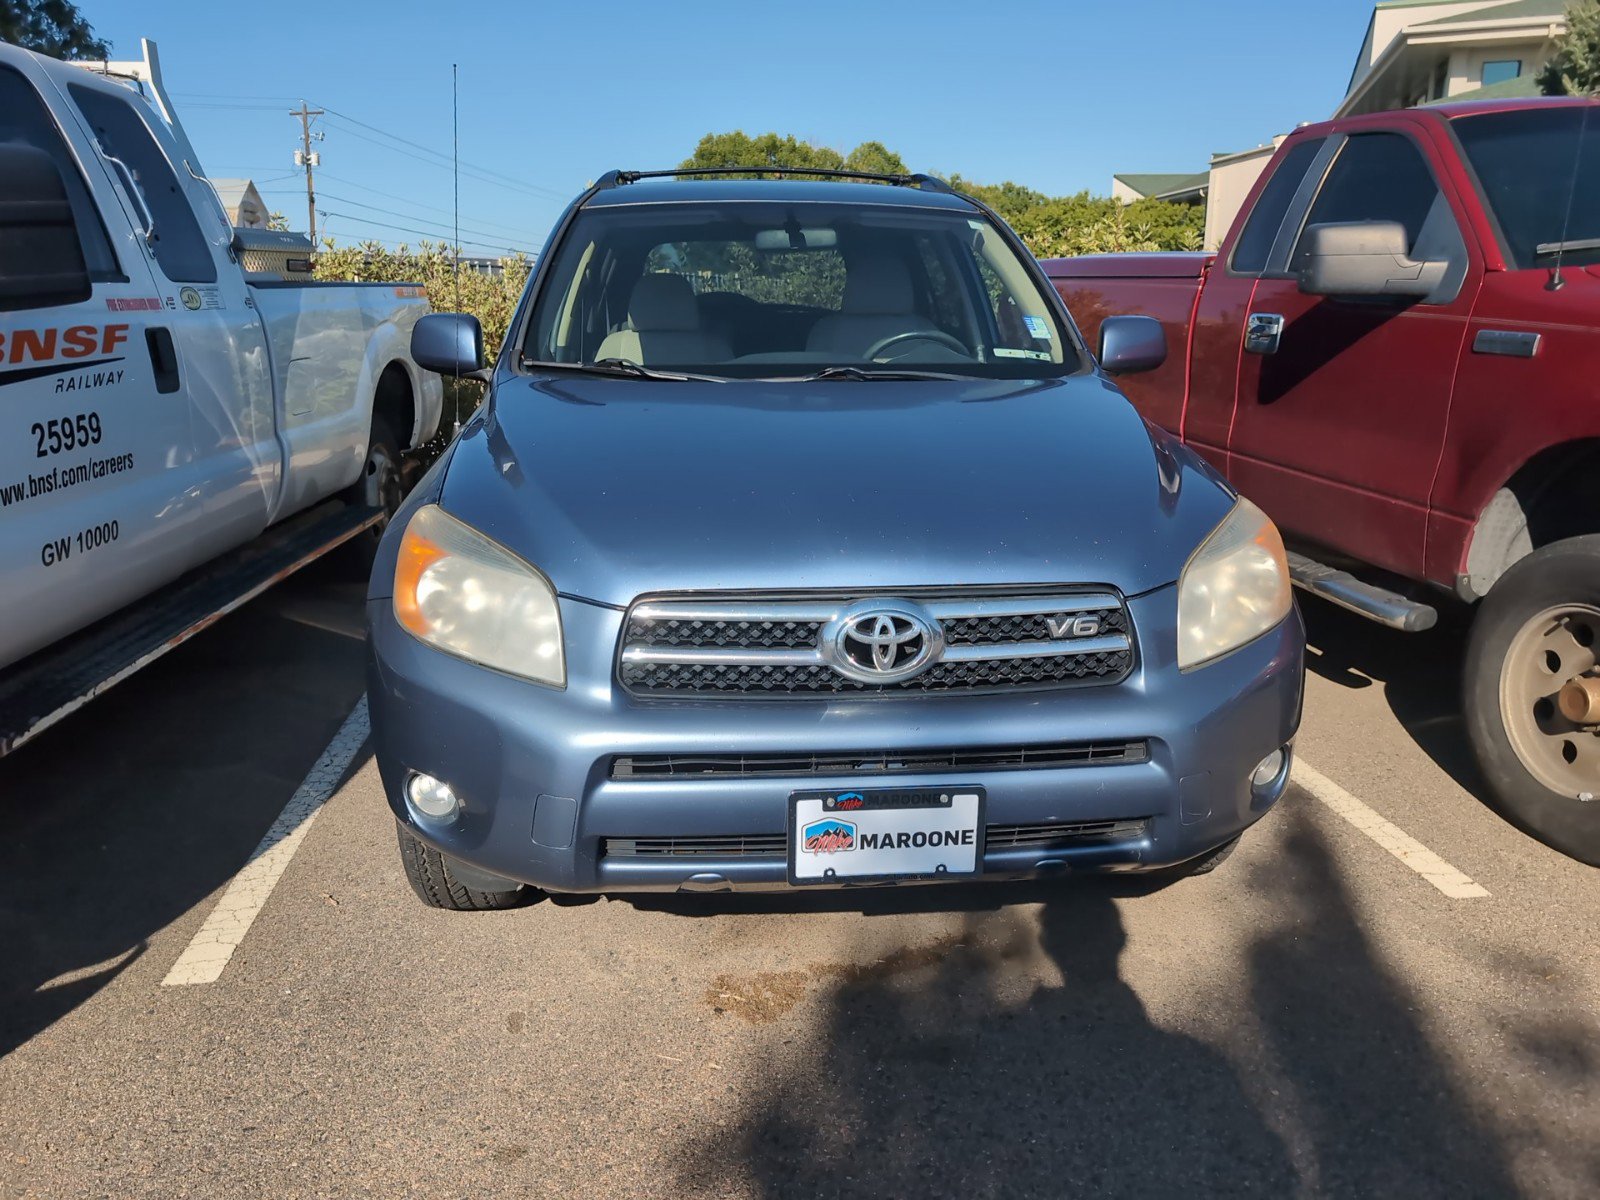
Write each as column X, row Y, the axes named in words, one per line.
column 618, row 487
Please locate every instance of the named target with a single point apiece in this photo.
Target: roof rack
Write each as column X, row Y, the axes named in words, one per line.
column 931, row 183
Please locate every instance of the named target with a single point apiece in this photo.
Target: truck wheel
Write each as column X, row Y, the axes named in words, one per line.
column 436, row 884
column 1532, row 695
column 381, row 482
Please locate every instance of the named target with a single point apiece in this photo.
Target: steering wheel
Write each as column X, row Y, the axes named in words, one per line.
column 918, row 335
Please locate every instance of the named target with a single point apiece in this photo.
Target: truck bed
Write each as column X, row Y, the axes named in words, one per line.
column 1163, row 286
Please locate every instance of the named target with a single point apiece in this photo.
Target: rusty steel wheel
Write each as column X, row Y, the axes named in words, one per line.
column 1531, row 692
column 1548, row 674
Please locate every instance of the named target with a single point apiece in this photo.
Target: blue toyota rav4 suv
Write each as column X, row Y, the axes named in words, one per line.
column 801, row 542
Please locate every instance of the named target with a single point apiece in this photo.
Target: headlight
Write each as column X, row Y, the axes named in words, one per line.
column 461, row 593
column 1234, row 588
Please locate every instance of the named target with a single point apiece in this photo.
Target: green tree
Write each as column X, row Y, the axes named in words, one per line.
column 277, row 221
column 1051, row 226
column 1574, row 69
column 876, row 158
column 53, row 27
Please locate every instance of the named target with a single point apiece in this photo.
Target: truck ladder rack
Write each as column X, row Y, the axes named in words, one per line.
column 58, row 680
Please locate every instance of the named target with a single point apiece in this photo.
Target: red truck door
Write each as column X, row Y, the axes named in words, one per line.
column 1342, row 404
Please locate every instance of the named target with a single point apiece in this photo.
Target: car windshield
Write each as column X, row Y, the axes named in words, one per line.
column 757, row 289
column 1540, row 171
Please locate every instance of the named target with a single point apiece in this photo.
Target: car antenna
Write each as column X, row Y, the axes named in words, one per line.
column 455, row 170
column 1556, row 281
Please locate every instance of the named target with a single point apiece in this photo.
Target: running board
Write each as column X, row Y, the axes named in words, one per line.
column 1373, row 602
column 60, row 679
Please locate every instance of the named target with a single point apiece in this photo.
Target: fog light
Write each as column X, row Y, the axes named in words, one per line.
column 1267, row 770
column 432, row 798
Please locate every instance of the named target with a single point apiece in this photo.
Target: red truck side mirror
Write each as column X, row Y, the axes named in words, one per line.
column 1366, row 258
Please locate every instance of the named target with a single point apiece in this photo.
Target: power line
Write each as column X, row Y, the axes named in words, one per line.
column 445, row 165
column 475, row 225
column 417, row 204
column 426, row 232
column 509, row 181
column 397, row 213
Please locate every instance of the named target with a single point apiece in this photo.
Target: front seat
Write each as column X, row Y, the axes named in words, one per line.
column 664, row 327
column 877, row 304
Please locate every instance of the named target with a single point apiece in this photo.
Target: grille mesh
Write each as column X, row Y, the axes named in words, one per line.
column 882, row 762
column 1032, row 627
column 773, row 846
column 814, row 680
column 768, row 635
column 654, row 626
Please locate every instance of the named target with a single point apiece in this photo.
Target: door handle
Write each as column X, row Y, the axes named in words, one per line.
column 134, row 194
column 163, row 358
column 1263, row 333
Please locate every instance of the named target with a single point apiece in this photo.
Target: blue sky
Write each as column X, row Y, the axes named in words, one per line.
column 1057, row 96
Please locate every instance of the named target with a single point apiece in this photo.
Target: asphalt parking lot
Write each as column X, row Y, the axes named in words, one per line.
column 1386, row 992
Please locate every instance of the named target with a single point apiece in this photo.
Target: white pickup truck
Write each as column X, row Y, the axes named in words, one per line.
column 169, row 425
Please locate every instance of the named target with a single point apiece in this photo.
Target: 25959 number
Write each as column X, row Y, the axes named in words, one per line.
column 65, row 433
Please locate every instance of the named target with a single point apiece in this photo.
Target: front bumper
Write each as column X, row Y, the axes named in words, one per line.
column 532, row 765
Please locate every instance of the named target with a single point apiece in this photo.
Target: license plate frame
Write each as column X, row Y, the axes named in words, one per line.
column 957, row 808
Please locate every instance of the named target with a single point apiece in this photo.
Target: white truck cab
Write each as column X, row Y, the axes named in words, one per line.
column 159, row 407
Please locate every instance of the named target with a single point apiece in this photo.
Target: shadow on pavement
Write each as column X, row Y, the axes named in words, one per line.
column 1421, row 674
column 126, row 816
column 968, row 1071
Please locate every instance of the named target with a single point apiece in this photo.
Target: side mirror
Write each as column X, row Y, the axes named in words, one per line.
column 41, row 259
column 1365, row 258
column 448, row 343
column 1131, row 344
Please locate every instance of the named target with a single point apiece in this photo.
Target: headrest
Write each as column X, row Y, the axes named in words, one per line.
column 876, row 283
column 662, row 303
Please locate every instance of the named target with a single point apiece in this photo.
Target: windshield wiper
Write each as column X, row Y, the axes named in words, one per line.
column 1547, row 249
column 624, row 368
column 865, row 374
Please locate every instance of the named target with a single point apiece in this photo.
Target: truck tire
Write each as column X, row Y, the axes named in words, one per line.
column 382, row 475
column 381, row 485
column 1532, row 637
column 433, row 878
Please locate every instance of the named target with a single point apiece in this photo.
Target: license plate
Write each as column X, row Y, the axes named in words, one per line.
column 885, row 833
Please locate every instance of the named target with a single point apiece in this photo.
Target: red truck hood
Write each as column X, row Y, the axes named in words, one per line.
column 1128, row 266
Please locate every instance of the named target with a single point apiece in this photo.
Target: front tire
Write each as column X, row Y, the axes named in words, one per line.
column 437, row 885
column 1536, row 632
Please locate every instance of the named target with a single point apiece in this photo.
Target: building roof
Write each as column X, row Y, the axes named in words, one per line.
column 234, row 191
column 1163, row 184
column 1532, row 10
column 1522, row 87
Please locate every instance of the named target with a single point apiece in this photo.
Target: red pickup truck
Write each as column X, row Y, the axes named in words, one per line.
column 1396, row 353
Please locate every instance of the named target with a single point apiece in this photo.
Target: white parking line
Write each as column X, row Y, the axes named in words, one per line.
column 208, row 953
column 1391, row 837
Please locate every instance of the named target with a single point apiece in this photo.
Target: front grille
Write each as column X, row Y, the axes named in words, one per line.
column 883, row 762
column 758, row 647
column 773, row 846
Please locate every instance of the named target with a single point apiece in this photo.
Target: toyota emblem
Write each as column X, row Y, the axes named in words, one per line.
column 881, row 641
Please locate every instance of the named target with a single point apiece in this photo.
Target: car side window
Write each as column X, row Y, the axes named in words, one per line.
column 1377, row 177
column 24, row 119
column 179, row 247
column 1266, row 219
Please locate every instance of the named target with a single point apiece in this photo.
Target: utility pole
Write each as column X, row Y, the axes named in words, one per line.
column 308, row 158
